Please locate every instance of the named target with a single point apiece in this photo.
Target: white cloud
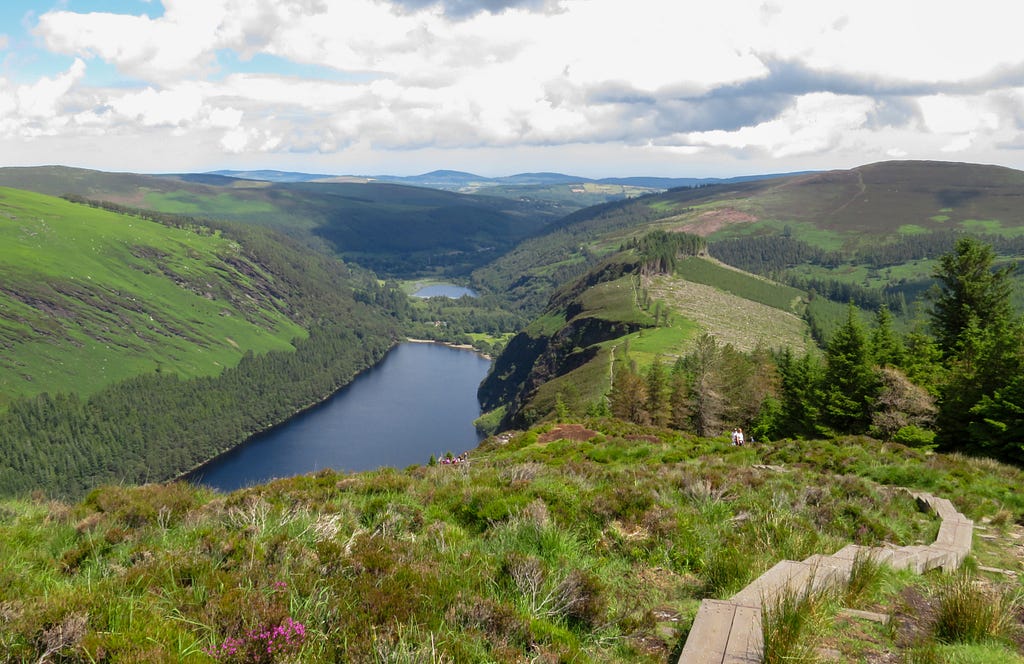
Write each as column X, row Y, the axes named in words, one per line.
column 150, row 108
column 946, row 114
column 815, row 123
column 235, row 140
column 943, row 41
column 960, row 143
column 224, row 118
column 736, row 78
column 37, row 109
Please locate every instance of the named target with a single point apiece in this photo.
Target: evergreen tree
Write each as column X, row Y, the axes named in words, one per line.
column 706, row 394
column 981, row 341
column 886, row 346
column 657, row 394
column 800, row 395
column 851, row 384
column 978, row 387
column 628, row 397
column 970, row 291
column 922, row 362
column 679, row 398
column 998, row 421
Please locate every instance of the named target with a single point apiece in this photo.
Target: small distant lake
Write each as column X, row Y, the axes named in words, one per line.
column 445, row 290
column 419, row 400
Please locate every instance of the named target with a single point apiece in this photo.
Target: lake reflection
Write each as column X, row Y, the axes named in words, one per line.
column 419, row 400
column 445, row 290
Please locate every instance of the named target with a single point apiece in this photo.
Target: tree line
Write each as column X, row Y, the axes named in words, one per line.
column 156, row 426
column 771, row 255
column 660, row 250
column 955, row 381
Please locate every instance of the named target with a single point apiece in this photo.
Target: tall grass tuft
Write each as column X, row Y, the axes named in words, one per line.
column 791, row 623
column 865, row 578
column 726, row 569
column 970, row 612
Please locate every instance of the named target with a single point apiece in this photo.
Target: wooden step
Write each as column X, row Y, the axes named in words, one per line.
column 724, row 632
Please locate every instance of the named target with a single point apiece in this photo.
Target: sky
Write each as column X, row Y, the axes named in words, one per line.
column 596, row 88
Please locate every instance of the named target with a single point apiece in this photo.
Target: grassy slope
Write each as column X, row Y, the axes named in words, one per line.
column 874, row 201
column 598, row 550
column 747, row 312
column 89, row 297
column 836, row 210
column 396, row 229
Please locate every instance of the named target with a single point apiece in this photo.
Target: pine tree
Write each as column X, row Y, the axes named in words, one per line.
column 679, row 398
column 970, row 290
column 657, row 394
column 886, row 346
column 628, row 397
column 981, row 340
column 851, row 384
column 922, row 362
column 706, row 396
column 998, row 420
column 800, row 395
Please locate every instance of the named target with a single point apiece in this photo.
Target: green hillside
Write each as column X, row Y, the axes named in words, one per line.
column 89, row 297
column 393, row 229
column 621, row 314
column 138, row 346
column 586, row 541
column 871, row 233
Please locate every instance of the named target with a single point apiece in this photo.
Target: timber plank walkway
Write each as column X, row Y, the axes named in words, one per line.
column 729, row 631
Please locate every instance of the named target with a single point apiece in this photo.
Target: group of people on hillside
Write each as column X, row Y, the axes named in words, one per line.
column 737, row 437
column 449, row 459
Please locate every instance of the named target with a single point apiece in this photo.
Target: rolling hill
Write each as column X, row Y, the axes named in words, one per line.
column 804, row 246
column 136, row 347
column 90, row 297
column 462, row 181
column 393, row 229
column 621, row 314
column 879, row 226
column 567, row 192
column 870, row 203
column 585, row 537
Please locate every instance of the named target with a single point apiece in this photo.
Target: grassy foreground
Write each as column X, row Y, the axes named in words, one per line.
column 574, row 543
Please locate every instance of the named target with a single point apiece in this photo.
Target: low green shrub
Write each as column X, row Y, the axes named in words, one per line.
column 914, row 436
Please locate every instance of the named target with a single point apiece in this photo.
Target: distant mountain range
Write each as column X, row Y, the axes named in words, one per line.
column 460, row 180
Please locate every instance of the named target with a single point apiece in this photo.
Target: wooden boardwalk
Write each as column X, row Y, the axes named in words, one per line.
column 729, row 631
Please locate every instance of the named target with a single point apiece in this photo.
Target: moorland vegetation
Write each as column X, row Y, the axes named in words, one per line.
column 590, row 542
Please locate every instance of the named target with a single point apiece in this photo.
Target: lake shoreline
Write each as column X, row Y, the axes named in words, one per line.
column 356, row 431
column 449, row 344
column 298, row 412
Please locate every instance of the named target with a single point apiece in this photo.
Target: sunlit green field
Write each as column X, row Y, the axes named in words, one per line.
column 89, row 297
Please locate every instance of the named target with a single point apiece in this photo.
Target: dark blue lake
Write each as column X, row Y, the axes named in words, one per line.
column 419, row 400
column 445, row 290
